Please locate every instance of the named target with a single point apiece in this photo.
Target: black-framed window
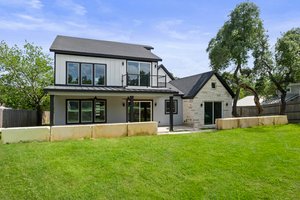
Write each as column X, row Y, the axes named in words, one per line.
column 85, row 111
column 175, row 106
column 138, row 73
column 73, row 111
column 72, row 73
column 213, row 85
column 86, row 74
column 99, row 74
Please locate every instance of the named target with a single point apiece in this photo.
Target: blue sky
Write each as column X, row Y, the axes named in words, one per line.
column 178, row 30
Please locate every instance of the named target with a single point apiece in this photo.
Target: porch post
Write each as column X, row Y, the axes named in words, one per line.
column 131, row 109
column 51, row 109
column 171, row 113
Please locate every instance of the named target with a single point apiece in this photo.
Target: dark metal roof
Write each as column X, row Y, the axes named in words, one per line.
column 109, row 49
column 191, row 85
column 167, row 71
column 108, row 89
column 277, row 99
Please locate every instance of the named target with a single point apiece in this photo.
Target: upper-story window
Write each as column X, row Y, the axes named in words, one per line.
column 138, row 73
column 86, row 74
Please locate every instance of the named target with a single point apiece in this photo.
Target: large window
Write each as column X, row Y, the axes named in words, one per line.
column 73, row 73
column 86, row 111
column 138, row 73
column 99, row 74
column 167, row 106
column 86, row 74
column 142, row 111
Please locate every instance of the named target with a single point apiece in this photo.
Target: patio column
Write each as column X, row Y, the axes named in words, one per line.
column 51, row 109
column 131, row 103
column 171, row 113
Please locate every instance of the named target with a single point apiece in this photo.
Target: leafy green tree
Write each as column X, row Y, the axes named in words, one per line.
column 25, row 72
column 282, row 67
column 233, row 45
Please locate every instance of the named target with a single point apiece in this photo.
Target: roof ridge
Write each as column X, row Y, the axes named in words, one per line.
column 110, row 41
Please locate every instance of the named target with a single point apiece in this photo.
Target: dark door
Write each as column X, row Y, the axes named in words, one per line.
column 145, row 111
column 212, row 111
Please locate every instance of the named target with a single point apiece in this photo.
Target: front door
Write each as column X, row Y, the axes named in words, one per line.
column 212, row 111
column 142, row 111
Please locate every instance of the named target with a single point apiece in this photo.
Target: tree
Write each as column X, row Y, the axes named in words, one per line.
column 282, row 67
column 25, row 72
column 232, row 45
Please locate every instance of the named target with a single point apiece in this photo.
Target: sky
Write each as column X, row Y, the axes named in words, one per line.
column 178, row 30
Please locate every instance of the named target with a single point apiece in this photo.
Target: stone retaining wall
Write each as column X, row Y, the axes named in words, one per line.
column 244, row 122
column 69, row 132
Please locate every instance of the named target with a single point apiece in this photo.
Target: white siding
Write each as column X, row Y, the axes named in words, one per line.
column 114, row 68
column 162, row 72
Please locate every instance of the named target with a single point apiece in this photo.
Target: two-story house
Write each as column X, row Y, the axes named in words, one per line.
column 99, row 81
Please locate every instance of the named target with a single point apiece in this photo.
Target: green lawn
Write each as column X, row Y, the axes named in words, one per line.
column 236, row 164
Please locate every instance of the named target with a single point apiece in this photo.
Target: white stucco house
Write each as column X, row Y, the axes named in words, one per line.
column 98, row 81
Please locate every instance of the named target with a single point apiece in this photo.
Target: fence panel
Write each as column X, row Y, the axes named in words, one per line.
column 18, row 118
column 292, row 111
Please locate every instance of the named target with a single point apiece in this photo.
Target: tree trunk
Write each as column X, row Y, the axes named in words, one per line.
column 235, row 100
column 256, row 97
column 283, row 103
column 39, row 119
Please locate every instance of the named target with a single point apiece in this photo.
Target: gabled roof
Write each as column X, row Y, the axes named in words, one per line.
column 167, row 71
column 108, row 49
column 191, row 85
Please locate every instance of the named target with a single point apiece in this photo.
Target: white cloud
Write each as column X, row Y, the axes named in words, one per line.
column 35, row 4
column 168, row 28
column 73, row 6
column 29, row 18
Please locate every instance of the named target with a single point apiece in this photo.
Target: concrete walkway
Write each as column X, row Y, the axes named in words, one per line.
column 181, row 130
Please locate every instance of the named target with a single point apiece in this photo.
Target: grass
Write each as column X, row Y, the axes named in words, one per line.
column 254, row 163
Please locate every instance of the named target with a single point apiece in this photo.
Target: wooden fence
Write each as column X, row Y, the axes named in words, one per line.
column 292, row 111
column 20, row 118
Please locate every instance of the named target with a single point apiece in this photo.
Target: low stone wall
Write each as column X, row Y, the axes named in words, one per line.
column 71, row 132
column 148, row 128
column 244, row 122
column 109, row 130
column 25, row 134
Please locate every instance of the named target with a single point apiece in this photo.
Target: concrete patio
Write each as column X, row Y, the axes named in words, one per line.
column 163, row 130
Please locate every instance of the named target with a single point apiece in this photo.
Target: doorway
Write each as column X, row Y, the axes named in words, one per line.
column 212, row 111
column 142, row 111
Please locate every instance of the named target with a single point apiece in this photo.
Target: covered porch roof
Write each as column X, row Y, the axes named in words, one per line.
column 108, row 91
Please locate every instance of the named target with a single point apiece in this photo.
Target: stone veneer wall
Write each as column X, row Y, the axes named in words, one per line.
column 193, row 113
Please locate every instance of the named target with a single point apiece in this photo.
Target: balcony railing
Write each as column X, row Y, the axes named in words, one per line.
column 144, row 80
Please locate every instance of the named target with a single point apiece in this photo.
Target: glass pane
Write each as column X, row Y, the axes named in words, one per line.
column 99, row 75
column 217, row 110
column 86, row 74
column 133, row 73
column 145, row 111
column 99, row 111
column 144, row 74
column 86, row 111
column 73, row 73
column 136, row 112
column 208, row 118
column 167, row 106
column 72, row 111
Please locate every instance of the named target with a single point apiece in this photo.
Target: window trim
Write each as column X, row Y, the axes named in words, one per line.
column 213, row 111
column 94, row 110
column 93, row 74
column 93, row 104
column 215, row 85
column 139, row 68
column 67, row 72
column 79, row 107
column 176, row 106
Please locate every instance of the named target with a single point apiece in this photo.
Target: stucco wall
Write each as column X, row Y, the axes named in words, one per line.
column 116, row 112
column 194, row 113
